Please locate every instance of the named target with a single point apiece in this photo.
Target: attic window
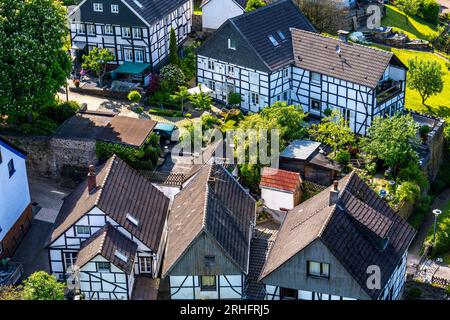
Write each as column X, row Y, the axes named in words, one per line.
column 133, row 220
column 138, row 4
column 210, row 261
column 281, row 35
column 231, row 44
column 274, row 41
column 121, row 256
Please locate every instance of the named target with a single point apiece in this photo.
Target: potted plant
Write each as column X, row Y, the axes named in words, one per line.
column 76, row 82
column 424, row 131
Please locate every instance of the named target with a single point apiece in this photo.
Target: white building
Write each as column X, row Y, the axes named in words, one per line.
column 15, row 200
column 210, row 229
column 286, row 60
column 128, row 203
column 216, row 12
column 280, row 190
column 136, row 31
column 329, row 246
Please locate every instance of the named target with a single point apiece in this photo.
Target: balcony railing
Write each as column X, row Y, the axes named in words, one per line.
column 388, row 89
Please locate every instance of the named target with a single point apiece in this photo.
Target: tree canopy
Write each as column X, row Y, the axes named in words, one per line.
column 254, row 4
column 389, row 139
column 33, row 61
column 42, row 286
column 173, row 48
column 96, row 61
column 425, row 76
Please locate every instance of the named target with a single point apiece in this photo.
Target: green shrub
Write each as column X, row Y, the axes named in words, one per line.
column 173, row 76
column 40, row 126
column 165, row 112
column 415, row 292
column 429, row 11
column 188, row 115
column 134, row 96
column 60, row 112
column 139, row 110
column 209, row 121
column 235, row 115
column 342, row 157
column 407, row 191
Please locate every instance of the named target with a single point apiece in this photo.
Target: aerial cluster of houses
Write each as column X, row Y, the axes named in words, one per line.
column 123, row 234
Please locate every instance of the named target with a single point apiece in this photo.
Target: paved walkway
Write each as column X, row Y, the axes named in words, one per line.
column 414, row 250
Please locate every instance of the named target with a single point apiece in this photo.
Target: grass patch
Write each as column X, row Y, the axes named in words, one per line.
column 417, row 28
column 442, row 247
column 413, row 100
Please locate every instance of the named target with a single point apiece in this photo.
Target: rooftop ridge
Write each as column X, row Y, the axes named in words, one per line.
column 205, row 204
column 102, row 185
column 267, row 6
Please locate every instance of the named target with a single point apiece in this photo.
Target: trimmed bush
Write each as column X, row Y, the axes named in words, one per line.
column 429, row 11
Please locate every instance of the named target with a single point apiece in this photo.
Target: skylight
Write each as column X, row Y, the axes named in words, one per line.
column 281, row 35
column 138, row 4
column 274, row 41
column 121, row 256
column 133, row 220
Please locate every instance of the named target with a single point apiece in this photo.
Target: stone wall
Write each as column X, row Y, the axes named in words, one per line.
column 65, row 160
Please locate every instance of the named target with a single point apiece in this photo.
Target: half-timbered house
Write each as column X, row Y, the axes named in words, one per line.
column 345, row 243
column 251, row 56
column 135, row 31
column 286, row 60
column 210, row 228
column 122, row 198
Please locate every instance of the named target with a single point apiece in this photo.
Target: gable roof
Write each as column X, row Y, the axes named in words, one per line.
column 280, row 179
column 14, row 149
column 355, row 230
column 355, row 63
column 152, row 10
column 121, row 190
column 240, row 3
column 106, row 242
column 215, row 203
column 254, row 26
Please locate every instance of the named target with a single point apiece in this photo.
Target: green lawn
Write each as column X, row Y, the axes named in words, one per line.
column 442, row 233
column 417, row 28
column 413, row 100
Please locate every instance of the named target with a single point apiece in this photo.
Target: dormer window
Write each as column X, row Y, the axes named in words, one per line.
column 121, row 256
column 98, row 7
column 281, row 35
column 231, row 44
column 133, row 220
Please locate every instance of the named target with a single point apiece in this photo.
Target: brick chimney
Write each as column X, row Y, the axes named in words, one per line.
column 334, row 193
column 92, row 181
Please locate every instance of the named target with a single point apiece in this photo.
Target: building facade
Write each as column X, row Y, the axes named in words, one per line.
column 15, row 199
column 210, row 229
column 288, row 61
column 135, row 212
column 134, row 31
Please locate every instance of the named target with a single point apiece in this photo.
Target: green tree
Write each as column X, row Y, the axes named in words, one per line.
column 425, row 76
column 181, row 95
column 97, row 61
column 33, row 61
column 134, row 96
column 389, row 139
column 43, row 286
column 333, row 131
column 254, row 4
column 201, row 100
column 173, row 77
column 409, row 7
column 234, row 98
column 173, row 48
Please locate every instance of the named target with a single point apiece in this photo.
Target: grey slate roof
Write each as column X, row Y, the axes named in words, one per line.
column 354, row 231
column 154, row 9
column 120, row 190
column 215, row 203
column 356, row 63
column 106, row 242
column 300, row 149
column 254, row 49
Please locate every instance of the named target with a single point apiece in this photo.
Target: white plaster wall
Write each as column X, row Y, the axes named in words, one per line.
column 216, row 12
column 275, row 199
column 14, row 190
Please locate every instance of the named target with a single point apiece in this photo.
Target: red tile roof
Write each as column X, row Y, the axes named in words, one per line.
column 280, row 179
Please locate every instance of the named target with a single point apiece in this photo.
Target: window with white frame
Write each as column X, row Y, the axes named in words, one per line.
column 139, row 55
column 230, row 70
column 114, row 8
column 128, row 54
column 318, row 269
column 210, row 65
column 98, row 7
column 254, row 98
column 109, row 29
column 69, row 259
column 316, row 77
column 126, row 32
column 81, row 28
column 145, row 264
column 286, row 73
column 231, row 44
column 212, row 85
column 137, row 33
column 91, row 29
column 208, row 283
column 83, row 230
